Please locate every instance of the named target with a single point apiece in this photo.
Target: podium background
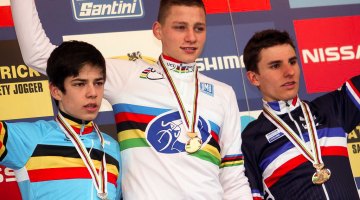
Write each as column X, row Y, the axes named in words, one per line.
column 326, row 33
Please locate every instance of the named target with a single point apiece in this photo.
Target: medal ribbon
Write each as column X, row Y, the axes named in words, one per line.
column 314, row 154
column 179, row 101
column 99, row 179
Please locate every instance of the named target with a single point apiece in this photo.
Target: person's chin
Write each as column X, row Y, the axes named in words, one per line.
column 290, row 97
column 189, row 58
column 90, row 117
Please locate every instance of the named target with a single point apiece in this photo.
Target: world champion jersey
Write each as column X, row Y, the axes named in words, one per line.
column 275, row 167
column 48, row 166
column 151, row 132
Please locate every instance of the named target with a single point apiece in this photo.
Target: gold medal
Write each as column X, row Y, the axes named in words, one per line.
column 193, row 145
column 103, row 196
column 192, row 134
column 321, row 175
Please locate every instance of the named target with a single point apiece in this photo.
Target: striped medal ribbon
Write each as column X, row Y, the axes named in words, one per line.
column 99, row 179
column 313, row 154
column 194, row 143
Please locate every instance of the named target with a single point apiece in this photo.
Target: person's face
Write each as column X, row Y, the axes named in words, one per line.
column 183, row 33
column 83, row 93
column 279, row 73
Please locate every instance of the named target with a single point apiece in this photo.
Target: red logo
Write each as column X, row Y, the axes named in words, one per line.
column 329, row 49
column 222, row 6
column 8, row 186
column 5, row 17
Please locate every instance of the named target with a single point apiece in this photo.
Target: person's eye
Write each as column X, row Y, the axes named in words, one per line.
column 78, row 84
column 293, row 62
column 99, row 83
column 179, row 27
column 275, row 66
column 200, row 29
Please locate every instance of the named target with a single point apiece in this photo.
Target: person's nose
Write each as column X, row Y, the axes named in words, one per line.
column 289, row 70
column 190, row 36
column 91, row 91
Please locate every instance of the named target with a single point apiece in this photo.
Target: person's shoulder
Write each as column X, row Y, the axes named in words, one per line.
column 225, row 89
column 42, row 124
column 255, row 125
column 109, row 140
column 124, row 64
column 126, row 61
column 108, row 137
column 39, row 127
column 218, row 83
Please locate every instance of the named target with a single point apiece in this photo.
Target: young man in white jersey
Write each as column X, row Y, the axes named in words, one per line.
column 296, row 149
column 66, row 158
column 179, row 131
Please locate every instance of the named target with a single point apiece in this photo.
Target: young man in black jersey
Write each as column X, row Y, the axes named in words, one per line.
column 296, row 149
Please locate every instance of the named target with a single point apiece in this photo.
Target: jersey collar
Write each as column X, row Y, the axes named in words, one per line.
column 281, row 107
column 177, row 66
column 81, row 127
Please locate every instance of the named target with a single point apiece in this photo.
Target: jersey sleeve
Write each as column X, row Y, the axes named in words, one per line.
column 252, row 171
column 343, row 104
column 35, row 46
column 352, row 103
column 232, row 177
column 18, row 141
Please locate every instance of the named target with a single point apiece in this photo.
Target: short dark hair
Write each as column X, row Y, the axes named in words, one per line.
column 166, row 4
column 262, row 40
column 69, row 58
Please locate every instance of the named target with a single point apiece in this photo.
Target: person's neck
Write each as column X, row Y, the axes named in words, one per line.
column 80, row 126
column 177, row 66
column 282, row 106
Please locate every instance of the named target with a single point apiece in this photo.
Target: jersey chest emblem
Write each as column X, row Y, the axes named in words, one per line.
column 167, row 133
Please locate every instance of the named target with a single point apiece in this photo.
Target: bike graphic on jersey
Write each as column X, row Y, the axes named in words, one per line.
column 167, row 133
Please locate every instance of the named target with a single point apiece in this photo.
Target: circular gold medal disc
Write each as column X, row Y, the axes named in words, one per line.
column 193, row 145
column 321, row 176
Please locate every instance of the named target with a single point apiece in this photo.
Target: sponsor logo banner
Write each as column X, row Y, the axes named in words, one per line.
column 8, row 186
column 354, row 150
column 25, row 100
column 85, row 10
column 5, row 14
column 318, row 3
column 24, row 92
column 329, row 51
column 226, row 6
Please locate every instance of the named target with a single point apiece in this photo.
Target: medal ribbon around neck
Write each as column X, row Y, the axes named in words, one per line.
column 191, row 126
column 314, row 155
column 99, row 179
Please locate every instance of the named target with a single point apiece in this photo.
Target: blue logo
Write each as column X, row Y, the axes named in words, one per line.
column 207, row 88
column 87, row 10
column 274, row 135
column 167, row 134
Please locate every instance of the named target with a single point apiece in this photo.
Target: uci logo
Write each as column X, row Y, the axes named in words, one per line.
column 167, row 134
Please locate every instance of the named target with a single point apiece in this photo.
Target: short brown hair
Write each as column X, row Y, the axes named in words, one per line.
column 262, row 40
column 166, row 4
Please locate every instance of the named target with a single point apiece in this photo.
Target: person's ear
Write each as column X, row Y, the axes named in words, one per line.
column 253, row 79
column 55, row 92
column 156, row 28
